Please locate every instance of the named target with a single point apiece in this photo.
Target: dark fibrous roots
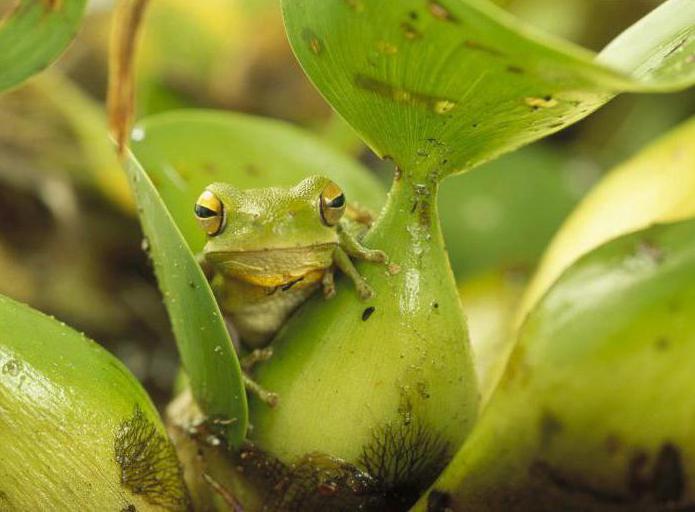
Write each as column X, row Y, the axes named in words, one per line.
column 148, row 463
column 394, row 469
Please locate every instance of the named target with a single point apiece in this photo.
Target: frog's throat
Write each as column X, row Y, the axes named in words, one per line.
column 299, row 267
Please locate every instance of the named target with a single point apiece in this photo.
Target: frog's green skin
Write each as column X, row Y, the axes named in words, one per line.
column 274, row 250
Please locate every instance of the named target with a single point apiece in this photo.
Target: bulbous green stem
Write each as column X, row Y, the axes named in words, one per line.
column 388, row 384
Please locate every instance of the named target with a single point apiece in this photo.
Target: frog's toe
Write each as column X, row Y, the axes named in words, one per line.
column 365, row 291
column 377, row 256
column 328, row 292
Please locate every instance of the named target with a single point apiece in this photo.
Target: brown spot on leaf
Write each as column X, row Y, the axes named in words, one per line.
column 409, row 31
column 474, row 45
column 440, row 12
column 438, row 501
column 638, row 474
column 573, row 484
column 313, row 41
column 662, row 343
column 669, row 478
column 53, row 5
column 549, row 427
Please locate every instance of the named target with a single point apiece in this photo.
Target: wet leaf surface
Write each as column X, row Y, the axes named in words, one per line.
column 205, row 348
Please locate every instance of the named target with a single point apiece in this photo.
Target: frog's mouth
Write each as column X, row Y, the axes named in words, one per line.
column 270, row 268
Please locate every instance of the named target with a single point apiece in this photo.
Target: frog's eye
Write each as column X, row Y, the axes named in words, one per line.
column 209, row 212
column 332, row 204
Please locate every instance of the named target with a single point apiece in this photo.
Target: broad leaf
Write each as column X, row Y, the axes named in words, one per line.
column 185, row 151
column 656, row 185
column 204, row 345
column 594, row 411
column 33, row 35
column 441, row 86
column 76, row 423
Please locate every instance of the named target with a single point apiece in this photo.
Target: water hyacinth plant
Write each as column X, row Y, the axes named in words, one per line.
column 379, row 402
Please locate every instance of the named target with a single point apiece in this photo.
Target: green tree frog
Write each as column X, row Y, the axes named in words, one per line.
column 268, row 250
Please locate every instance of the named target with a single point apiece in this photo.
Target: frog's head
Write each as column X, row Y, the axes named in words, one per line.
column 271, row 236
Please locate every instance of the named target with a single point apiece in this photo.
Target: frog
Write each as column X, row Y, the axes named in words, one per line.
column 268, row 250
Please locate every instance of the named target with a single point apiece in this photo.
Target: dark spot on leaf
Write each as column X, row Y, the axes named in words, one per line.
column 650, row 251
column 440, row 12
column 572, row 484
column 637, row 474
column 129, row 508
column 662, row 343
column 53, row 5
column 612, row 444
column 474, row 45
column 423, row 390
column 413, row 15
column 435, row 305
column 252, row 170
column 410, row 31
column 355, row 5
column 312, row 40
column 516, row 69
column 549, row 427
column 669, row 478
column 401, row 95
column 148, row 463
column 438, row 501
column 367, row 313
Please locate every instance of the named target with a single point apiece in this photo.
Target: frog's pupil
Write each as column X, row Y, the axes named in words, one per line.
column 203, row 212
column 337, row 202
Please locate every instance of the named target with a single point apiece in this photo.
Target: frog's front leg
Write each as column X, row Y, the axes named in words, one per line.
column 356, row 250
column 258, row 355
column 344, row 263
column 328, row 282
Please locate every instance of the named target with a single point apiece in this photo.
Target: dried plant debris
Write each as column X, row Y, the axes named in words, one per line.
column 148, row 463
column 121, row 90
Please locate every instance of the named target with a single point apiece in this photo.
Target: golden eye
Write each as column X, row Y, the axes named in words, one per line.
column 332, row 204
column 209, row 212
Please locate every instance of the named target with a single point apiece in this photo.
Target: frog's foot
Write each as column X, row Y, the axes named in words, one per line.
column 364, row 290
column 373, row 255
column 268, row 397
column 358, row 251
column 258, row 355
column 328, row 283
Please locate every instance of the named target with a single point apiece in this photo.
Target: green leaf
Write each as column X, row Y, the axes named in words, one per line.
column 204, row 345
column 441, row 86
column 609, row 211
column 34, row 35
column 71, row 415
column 594, row 411
column 185, row 151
